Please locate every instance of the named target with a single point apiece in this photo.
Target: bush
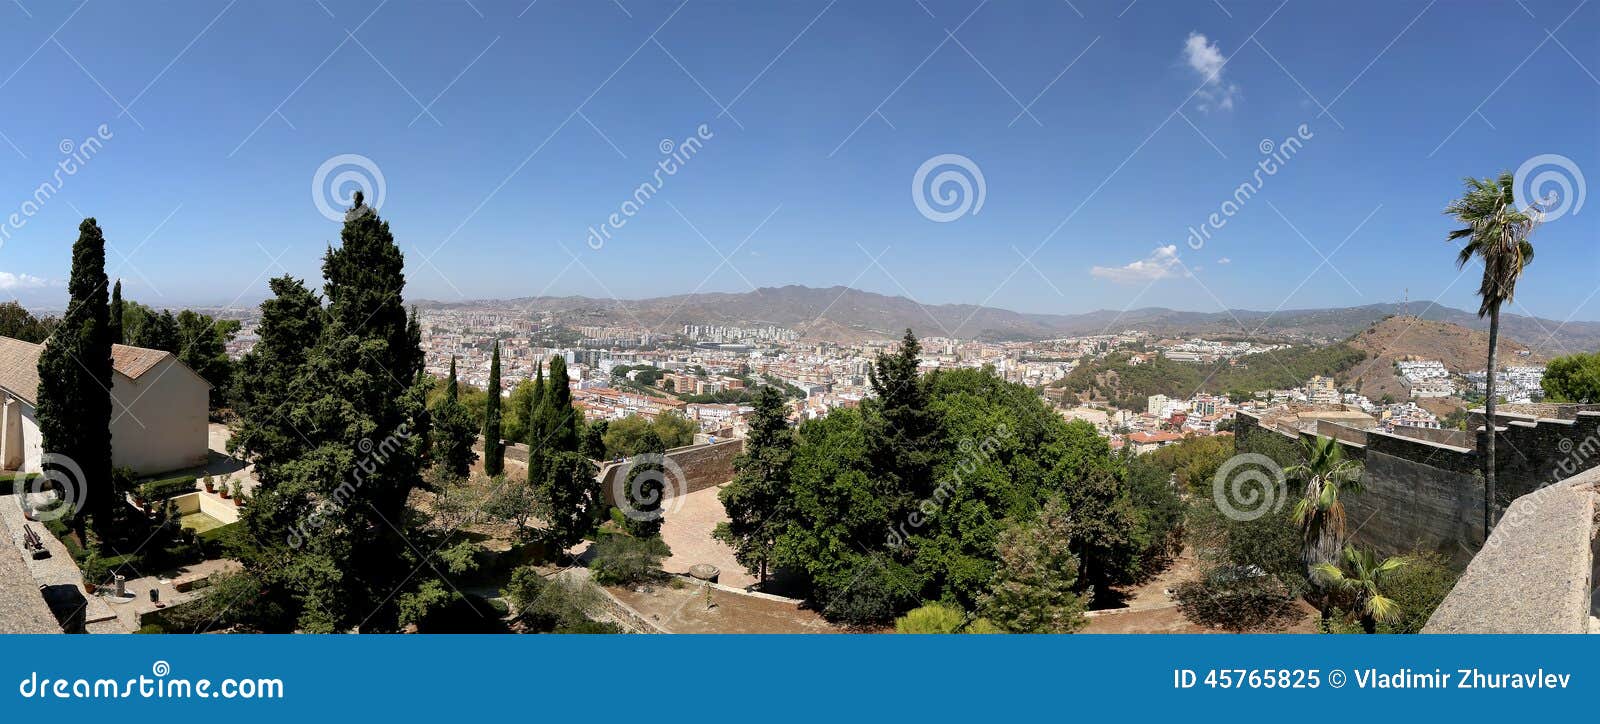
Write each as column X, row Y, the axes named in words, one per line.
column 8, row 481
column 933, row 618
column 1419, row 587
column 168, row 488
column 1233, row 602
column 559, row 605
column 622, row 560
column 151, row 628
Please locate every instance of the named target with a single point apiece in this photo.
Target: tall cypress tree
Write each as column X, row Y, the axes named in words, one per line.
column 559, row 423
column 74, row 410
column 646, row 488
column 452, row 433
column 493, row 454
column 452, row 387
column 116, row 314
column 530, row 416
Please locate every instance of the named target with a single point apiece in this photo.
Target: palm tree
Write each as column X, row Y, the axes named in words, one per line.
column 1365, row 579
column 1319, row 513
column 1497, row 233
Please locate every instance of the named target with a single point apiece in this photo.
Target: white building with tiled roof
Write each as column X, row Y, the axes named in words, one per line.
column 158, row 409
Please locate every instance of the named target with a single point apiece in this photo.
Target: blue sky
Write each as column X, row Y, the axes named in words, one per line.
column 542, row 119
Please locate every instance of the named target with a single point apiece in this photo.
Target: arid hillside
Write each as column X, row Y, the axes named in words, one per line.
column 1396, row 338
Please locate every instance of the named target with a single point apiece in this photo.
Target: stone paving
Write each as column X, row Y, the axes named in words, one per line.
column 59, row 573
column 687, row 528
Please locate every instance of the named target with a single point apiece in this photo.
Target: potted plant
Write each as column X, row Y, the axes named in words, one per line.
column 224, row 490
column 94, row 571
column 238, row 493
column 211, row 484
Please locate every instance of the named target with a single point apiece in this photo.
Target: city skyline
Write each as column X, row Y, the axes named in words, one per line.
column 803, row 159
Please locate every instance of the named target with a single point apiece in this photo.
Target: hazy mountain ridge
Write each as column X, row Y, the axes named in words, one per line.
column 844, row 314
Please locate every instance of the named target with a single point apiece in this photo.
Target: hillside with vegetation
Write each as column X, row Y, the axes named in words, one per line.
column 1113, row 380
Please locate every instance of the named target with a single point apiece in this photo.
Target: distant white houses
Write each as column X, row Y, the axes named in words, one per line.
column 158, row 410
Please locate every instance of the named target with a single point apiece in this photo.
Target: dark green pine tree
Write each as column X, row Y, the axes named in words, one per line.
column 160, row 331
column 116, row 313
column 74, row 408
column 493, row 453
column 645, row 489
column 756, row 498
column 903, row 435
column 357, row 404
column 291, row 326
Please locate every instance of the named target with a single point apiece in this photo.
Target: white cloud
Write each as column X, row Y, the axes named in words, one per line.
column 9, row 281
column 1161, row 264
column 1224, row 260
column 1206, row 60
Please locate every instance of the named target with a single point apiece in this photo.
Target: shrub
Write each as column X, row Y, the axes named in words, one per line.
column 982, row 626
column 623, row 560
column 1419, row 587
column 1234, row 602
column 168, row 488
column 226, row 541
column 559, row 605
column 933, row 618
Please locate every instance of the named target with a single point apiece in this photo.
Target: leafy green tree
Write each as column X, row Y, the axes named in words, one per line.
column 754, row 499
column 569, row 499
column 203, row 346
column 1319, row 513
column 933, row 618
column 519, row 409
column 625, row 437
column 17, row 322
column 493, row 453
column 74, row 410
column 1572, row 378
column 1035, row 584
column 160, row 332
column 623, row 560
column 645, row 489
column 1366, row 579
column 116, row 313
column 1496, row 233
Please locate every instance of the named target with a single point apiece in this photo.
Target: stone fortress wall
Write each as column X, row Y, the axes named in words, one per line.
column 1423, row 490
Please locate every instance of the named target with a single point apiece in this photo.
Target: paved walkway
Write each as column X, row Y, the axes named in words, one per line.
column 687, row 529
column 58, row 575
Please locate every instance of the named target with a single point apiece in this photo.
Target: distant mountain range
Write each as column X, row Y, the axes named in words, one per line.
column 851, row 315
